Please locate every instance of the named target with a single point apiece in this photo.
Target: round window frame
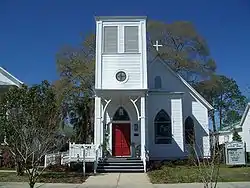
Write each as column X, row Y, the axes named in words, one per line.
column 126, row 79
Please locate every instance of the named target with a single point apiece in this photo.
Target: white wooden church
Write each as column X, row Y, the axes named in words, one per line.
column 140, row 103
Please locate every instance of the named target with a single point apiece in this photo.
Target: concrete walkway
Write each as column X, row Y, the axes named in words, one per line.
column 121, row 180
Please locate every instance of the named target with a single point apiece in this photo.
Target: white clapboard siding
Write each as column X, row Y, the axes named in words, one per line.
column 130, row 63
column 131, row 39
column 246, row 131
column 121, row 46
column 177, row 124
column 201, row 115
column 110, row 39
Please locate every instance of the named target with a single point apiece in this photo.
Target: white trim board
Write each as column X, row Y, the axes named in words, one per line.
column 10, row 77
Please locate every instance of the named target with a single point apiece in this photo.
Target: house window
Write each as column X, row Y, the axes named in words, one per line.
column 163, row 130
column 131, row 42
column 157, row 82
column 110, row 39
column 189, row 131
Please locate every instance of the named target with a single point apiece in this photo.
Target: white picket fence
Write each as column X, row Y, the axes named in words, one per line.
column 76, row 153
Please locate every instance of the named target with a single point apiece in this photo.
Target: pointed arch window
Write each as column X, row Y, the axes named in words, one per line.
column 121, row 115
column 163, row 130
column 157, row 82
column 189, row 131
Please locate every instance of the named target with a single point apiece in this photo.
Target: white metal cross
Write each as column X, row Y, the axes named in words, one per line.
column 157, row 45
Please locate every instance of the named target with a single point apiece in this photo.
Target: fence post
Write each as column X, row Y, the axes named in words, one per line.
column 83, row 162
column 45, row 161
column 70, row 153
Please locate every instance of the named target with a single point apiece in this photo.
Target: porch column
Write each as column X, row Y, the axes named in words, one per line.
column 143, row 132
column 98, row 113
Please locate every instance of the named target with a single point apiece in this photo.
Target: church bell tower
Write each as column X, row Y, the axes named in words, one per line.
column 121, row 53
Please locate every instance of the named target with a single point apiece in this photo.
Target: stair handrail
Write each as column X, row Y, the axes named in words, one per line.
column 98, row 153
column 145, row 158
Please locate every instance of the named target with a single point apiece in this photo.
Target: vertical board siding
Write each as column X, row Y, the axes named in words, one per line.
column 129, row 63
column 177, row 124
column 131, row 39
column 110, row 39
column 202, row 128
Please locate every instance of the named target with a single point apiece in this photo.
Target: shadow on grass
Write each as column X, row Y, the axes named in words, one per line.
column 175, row 173
column 46, row 177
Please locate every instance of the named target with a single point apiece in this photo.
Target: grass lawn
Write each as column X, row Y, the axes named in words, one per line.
column 46, row 177
column 189, row 174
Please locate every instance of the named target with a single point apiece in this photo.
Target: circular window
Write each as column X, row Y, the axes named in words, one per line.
column 121, row 76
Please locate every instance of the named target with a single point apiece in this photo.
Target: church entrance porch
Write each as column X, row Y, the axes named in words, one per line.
column 121, row 139
column 120, row 129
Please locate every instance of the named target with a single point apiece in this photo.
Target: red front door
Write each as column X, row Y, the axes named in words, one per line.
column 121, row 139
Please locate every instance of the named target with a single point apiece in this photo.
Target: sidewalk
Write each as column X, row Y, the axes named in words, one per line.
column 122, row 180
column 200, row 185
column 109, row 180
column 38, row 185
column 5, row 171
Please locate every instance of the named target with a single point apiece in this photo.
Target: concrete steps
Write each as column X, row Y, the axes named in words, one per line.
column 120, row 165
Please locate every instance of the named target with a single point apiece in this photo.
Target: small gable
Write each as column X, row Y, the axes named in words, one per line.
column 158, row 69
column 121, row 115
column 159, row 77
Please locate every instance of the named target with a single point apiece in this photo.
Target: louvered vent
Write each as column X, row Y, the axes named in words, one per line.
column 131, row 39
column 110, row 39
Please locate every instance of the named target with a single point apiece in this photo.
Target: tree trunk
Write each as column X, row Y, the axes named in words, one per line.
column 213, row 121
column 220, row 112
column 32, row 184
column 19, row 168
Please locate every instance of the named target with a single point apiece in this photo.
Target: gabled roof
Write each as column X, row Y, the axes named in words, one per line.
column 191, row 89
column 12, row 80
column 228, row 128
column 245, row 114
column 238, row 124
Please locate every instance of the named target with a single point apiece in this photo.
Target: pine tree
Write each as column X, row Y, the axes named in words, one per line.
column 236, row 136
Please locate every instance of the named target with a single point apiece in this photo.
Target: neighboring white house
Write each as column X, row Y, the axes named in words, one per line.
column 242, row 127
column 143, row 103
column 7, row 80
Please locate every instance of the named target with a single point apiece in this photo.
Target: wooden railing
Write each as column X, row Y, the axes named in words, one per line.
column 54, row 158
column 76, row 153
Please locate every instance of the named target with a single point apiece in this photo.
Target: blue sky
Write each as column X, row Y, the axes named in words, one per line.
column 31, row 32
